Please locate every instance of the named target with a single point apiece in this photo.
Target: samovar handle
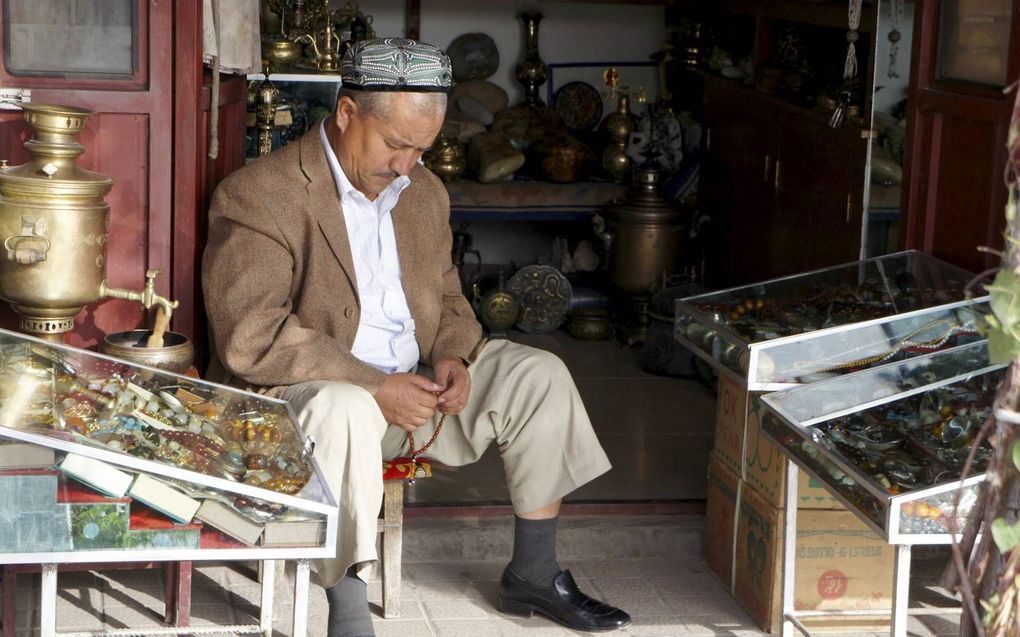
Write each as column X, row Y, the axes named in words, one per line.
column 30, row 246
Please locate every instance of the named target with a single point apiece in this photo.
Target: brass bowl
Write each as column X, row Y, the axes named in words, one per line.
column 280, row 51
column 590, row 324
column 176, row 355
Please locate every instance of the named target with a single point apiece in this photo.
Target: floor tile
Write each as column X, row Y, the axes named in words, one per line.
column 465, row 628
column 402, row 628
column 465, row 608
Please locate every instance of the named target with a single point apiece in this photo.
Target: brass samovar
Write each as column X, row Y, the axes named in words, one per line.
column 54, row 225
column 646, row 234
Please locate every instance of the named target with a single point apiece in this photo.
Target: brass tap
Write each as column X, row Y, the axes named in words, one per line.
column 147, row 297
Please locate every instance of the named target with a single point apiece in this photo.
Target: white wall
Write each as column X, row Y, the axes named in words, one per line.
column 569, row 32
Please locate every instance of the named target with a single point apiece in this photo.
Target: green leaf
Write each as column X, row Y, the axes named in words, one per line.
column 1016, row 454
column 1004, row 324
column 1006, row 535
column 1002, row 348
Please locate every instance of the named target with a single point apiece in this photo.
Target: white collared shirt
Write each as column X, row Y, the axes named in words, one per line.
column 385, row 338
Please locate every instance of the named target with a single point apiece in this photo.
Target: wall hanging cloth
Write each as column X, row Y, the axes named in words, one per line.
column 230, row 44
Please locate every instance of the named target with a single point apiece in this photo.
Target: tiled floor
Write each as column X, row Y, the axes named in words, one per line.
column 658, row 433
column 656, row 430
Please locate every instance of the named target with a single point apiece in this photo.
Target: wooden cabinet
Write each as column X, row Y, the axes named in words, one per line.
column 784, row 189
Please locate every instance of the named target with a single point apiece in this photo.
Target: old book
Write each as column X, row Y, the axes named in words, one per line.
column 151, row 530
column 97, row 474
column 23, row 455
column 164, row 498
column 294, row 532
column 230, row 521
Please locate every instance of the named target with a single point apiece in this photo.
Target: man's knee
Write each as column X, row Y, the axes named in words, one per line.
column 342, row 406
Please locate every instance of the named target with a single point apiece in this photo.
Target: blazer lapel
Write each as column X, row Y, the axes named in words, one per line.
column 323, row 202
column 408, row 236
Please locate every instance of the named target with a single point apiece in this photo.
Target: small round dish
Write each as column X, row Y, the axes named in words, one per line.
column 580, row 105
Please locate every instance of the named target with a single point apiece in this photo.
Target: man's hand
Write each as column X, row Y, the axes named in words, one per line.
column 455, row 384
column 407, row 400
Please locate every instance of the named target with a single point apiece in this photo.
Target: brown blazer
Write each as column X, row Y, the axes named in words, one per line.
column 279, row 282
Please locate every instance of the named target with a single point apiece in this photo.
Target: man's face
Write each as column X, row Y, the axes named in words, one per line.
column 374, row 151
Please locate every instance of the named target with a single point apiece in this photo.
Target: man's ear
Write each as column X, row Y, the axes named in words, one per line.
column 346, row 109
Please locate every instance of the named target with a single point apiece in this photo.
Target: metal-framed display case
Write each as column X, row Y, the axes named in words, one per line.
column 148, row 465
column 207, row 441
column 807, row 327
column 892, row 444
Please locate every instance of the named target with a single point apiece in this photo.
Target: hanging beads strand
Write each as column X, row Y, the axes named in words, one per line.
column 895, row 18
column 850, row 67
column 854, row 14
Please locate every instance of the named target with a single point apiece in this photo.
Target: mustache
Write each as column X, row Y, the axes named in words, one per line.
column 391, row 175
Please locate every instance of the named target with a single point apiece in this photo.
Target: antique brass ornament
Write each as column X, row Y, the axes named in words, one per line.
column 533, row 71
column 54, row 225
column 327, row 58
column 266, row 101
column 646, row 234
column 618, row 127
column 279, row 51
column 446, row 158
column 499, row 309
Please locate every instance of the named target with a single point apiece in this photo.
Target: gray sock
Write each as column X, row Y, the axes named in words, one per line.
column 534, row 556
column 348, row 607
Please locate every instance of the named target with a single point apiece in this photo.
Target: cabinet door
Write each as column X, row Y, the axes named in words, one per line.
column 114, row 57
column 964, row 53
column 819, row 181
column 737, row 185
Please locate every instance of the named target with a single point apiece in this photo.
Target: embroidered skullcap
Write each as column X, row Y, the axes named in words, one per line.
column 396, row 64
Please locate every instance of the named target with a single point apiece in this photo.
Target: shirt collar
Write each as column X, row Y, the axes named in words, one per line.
column 344, row 187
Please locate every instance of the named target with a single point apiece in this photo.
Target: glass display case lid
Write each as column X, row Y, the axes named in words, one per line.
column 157, row 422
column 808, row 327
column 895, row 442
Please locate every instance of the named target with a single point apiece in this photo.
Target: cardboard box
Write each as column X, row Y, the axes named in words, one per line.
column 751, row 455
column 720, row 518
column 841, row 564
column 765, row 467
column 730, row 420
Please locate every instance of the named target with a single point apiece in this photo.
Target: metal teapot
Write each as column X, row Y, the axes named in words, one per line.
column 328, row 58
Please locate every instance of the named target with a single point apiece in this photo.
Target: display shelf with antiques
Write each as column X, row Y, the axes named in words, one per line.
column 896, row 445
column 812, row 326
column 186, row 448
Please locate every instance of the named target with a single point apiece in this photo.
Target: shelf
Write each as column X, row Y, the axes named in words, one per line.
column 332, row 78
column 524, row 200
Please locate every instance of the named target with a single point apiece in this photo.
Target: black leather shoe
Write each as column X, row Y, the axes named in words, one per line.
column 562, row 602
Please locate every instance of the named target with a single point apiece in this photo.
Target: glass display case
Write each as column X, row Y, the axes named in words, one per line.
column 822, row 324
column 892, row 442
column 144, row 461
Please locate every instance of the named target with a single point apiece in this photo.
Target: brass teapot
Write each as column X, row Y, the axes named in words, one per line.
column 328, row 58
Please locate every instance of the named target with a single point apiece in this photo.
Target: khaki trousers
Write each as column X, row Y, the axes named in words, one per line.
column 522, row 398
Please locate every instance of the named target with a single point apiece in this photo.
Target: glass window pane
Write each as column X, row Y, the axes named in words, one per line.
column 974, row 41
column 85, row 38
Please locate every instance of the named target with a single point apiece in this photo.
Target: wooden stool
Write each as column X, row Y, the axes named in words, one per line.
column 391, row 525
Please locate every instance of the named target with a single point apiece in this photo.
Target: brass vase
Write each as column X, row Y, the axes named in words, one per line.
column 533, row 71
column 618, row 126
column 54, row 225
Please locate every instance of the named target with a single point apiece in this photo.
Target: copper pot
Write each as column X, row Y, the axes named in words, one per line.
column 590, row 324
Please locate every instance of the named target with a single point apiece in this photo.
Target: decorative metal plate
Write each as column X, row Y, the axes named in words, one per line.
column 545, row 296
